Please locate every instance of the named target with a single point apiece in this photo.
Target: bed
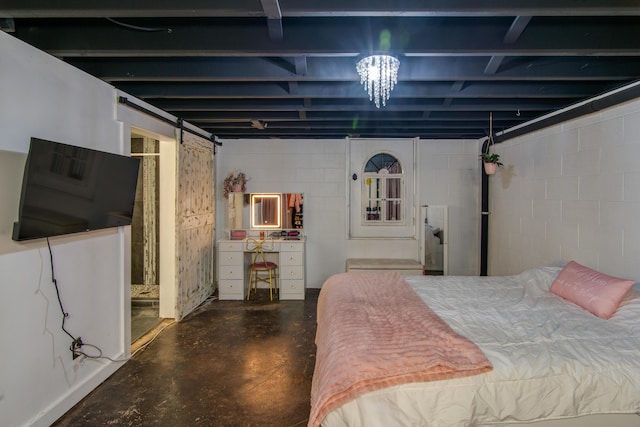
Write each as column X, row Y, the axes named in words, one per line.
column 550, row 361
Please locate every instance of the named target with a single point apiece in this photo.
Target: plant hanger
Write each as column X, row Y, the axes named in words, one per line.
column 491, row 141
column 490, row 160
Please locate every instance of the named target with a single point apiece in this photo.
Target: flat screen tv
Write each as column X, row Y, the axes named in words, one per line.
column 68, row 189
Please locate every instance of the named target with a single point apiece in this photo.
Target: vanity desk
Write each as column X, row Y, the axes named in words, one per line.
column 233, row 264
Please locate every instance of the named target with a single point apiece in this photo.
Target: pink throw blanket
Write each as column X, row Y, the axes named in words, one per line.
column 375, row 332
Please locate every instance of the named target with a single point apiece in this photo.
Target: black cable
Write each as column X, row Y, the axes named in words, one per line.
column 77, row 343
column 55, row 283
column 138, row 28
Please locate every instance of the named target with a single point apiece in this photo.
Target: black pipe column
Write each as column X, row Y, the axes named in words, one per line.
column 484, row 217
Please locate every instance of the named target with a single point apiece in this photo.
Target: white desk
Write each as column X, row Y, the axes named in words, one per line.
column 233, row 264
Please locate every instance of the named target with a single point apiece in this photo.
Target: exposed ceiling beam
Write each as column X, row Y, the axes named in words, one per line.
column 301, row 65
column 516, row 29
column 455, row 87
column 493, row 65
column 361, row 124
column 228, row 109
column 338, row 133
column 459, row 8
column 328, row 124
column 335, row 37
column 311, row 8
column 513, row 34
column 354, row 90
column 342, row 69
column 272, row 10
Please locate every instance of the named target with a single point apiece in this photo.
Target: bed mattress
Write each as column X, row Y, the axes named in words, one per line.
column 551, row 359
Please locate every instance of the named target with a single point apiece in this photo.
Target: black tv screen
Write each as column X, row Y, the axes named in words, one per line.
column 68, row 189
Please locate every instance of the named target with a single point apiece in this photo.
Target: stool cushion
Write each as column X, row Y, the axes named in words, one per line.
column 264, row 265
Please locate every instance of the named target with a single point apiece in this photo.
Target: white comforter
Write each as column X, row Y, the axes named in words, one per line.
column 551, row 359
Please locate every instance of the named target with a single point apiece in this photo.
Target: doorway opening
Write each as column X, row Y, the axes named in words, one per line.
column 434, row 242
column 145, row 239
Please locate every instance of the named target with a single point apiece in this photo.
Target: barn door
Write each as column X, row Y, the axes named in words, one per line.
column 195, row 214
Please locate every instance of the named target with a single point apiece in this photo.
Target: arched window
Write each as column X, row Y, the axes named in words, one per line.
column 382, row 188
column 383, row 191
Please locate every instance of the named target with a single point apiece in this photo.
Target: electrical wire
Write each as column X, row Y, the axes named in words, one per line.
column 55, row 283
column 138, row 28
column 145, row 345
column 77, row 343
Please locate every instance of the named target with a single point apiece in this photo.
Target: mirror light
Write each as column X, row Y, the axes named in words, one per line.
column 379, row 75
column 266, row 211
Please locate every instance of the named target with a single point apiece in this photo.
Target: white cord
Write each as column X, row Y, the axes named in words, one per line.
column 145, row 345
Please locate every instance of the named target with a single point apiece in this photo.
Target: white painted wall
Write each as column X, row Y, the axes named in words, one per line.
column 570, row 192
column 46, row 98
column 448, row 175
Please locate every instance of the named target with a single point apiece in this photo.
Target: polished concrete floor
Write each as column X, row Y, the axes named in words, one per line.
column 230, row 363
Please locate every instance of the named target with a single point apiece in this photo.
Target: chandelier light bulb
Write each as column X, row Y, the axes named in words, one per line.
column 379, row 75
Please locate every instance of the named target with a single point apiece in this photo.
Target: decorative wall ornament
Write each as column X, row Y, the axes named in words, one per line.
column 379, row 75
column 235, row 182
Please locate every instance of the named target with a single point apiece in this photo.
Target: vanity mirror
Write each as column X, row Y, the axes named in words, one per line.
column 276, row 211
column 266, row 211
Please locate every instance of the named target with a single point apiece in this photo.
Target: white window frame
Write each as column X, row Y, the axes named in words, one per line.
column 359, row 152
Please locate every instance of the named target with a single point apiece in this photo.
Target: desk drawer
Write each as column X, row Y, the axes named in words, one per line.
column 291, row 273
column 291, row 246
column 231, row 259
column 292, row 289
column 291, row 258
column 231, row 289
column 231, row 272
column 231, row 246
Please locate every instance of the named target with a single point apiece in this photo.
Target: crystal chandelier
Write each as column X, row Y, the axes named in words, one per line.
column 378, row 74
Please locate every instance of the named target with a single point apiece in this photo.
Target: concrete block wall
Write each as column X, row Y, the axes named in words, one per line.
column 570, row 192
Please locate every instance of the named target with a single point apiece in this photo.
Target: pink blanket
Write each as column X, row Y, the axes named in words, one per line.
column 375, row 332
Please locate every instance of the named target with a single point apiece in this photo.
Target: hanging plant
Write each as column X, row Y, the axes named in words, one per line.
column 490, row 160
column 235, row 182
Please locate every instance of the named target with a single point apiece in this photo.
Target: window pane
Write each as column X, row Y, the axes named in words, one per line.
column 383, row 191
column 372, row 212
column 383, row 161
column 394, row 210
column 373, row 199
column 394, row 188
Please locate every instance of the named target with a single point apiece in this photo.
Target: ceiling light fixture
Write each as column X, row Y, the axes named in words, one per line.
column 378, row 74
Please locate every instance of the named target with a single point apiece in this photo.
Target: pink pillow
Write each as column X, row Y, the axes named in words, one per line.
column 594, row 291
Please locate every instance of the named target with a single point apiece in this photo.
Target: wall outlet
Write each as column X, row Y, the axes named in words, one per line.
column 76, row 345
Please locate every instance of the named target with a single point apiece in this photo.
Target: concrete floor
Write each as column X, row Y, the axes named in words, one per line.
column 230, row 363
